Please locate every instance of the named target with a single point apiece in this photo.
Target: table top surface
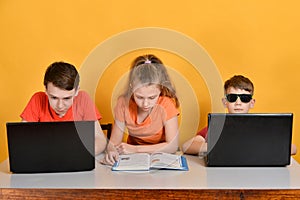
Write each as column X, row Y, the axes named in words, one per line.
column 198, row 177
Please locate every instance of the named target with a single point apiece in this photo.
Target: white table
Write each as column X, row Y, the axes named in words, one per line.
column 199, row 177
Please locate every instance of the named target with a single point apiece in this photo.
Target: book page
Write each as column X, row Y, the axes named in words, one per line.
column 165, row 160
column 139, row 161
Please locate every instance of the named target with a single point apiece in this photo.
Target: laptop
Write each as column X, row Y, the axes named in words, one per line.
column 42, row 147
column 249, row 139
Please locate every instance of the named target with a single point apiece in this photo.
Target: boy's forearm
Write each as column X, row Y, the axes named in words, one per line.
column 194, row 145
column 100, row 144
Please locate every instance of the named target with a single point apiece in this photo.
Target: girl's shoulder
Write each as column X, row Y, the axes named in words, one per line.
column 123, row 101
column 167, row 101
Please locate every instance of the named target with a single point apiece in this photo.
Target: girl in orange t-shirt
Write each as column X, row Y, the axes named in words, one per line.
column 148, row 110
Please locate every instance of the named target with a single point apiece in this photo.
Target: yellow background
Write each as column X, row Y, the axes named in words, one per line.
column 259, row 39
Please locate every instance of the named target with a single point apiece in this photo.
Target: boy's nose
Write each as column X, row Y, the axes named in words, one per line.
column 59, row 103
column 238, row 101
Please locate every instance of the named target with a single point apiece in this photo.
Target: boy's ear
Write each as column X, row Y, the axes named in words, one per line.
column 224, row 101
column 46, row 91
column 252, row 102
column 76, row 91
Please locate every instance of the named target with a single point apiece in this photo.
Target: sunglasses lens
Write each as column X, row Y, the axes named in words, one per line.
column 245, row 98
column 231, row 97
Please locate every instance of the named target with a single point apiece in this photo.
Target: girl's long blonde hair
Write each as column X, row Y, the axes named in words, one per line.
column 147, row 70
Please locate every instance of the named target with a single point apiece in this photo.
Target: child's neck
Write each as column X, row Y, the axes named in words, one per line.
column 142, row 115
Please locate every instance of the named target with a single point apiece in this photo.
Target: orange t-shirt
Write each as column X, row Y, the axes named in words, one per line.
column 151, row 130
column 38, row 109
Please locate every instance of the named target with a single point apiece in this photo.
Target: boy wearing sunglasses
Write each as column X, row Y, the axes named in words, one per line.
column 238, row 99
column 238, row 95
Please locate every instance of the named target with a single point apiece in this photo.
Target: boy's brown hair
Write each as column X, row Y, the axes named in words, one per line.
column 62, row 75
column 239, row 82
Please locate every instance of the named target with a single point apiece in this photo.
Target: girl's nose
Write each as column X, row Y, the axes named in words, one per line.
column 146, row 102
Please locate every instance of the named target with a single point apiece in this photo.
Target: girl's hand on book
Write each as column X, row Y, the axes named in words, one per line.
column 110, row 158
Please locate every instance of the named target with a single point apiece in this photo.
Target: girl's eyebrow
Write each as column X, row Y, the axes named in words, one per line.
column 151, row 96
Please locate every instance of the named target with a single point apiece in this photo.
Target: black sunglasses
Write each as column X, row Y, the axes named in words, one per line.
column 245, row 98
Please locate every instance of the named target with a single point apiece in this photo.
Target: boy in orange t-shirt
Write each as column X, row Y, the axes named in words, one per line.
column 63, row 101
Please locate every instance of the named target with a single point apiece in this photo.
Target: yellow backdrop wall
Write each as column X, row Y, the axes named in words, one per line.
column 259, row 39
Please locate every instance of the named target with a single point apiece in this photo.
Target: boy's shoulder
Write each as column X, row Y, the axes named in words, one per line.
column 82, row 93
column 39, row 95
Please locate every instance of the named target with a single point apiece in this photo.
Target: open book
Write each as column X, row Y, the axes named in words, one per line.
column 145, row 161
